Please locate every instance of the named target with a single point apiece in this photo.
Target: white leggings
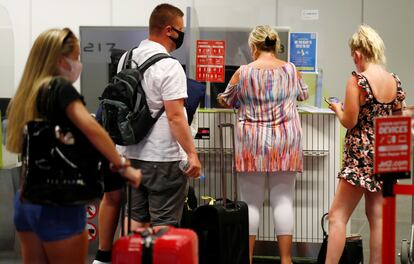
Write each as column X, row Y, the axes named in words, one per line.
column 281, row 187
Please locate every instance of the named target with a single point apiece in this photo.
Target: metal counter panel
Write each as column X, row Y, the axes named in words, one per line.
column 315, row 187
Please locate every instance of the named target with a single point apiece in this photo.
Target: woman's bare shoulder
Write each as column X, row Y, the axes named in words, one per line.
column 266, row 64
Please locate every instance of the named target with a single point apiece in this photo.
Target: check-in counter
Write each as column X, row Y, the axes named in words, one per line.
column 315, row 187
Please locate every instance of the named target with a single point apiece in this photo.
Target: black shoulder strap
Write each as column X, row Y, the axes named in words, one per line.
column 148, row 63
column 325, row 234
column 128, row 59
column 127, row 63
column 152, row 60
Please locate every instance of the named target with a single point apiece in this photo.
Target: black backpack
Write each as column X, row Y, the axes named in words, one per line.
column 116, row 55
column 125, row 112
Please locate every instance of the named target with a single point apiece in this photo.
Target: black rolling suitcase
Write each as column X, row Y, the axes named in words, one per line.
column 223, row 228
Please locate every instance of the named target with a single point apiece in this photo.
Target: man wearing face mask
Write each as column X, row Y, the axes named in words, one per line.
column 160, row 198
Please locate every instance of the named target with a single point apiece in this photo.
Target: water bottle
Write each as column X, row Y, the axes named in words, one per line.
column 184, row 164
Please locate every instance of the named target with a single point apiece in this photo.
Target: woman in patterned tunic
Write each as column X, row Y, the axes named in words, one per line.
column 370, row 92
column 268, row 134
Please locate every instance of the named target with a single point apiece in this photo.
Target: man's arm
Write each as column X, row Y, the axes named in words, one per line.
column 181, row 131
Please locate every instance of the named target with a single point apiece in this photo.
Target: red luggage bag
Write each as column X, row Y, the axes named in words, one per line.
column 158, row 245
column 167, row 245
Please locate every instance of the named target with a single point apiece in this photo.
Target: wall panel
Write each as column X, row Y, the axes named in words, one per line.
column 337, row 21
column 394, row 22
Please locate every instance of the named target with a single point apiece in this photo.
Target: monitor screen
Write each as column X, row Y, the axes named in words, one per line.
column 216, row 88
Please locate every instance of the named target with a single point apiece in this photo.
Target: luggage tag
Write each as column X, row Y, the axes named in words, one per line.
column 211, row 200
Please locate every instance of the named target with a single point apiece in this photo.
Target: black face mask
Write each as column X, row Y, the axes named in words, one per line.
column 179, row 40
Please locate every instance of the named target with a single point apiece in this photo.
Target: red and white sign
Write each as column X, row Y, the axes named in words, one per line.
column 91, row 210
column 392, row 144
column 210, row 56
column 92, row 231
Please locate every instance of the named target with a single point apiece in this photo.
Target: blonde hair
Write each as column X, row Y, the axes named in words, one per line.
column 369, row 43
column 41, row 66
column 264, row 38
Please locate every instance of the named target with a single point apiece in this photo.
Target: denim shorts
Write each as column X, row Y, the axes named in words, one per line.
column 49, row 223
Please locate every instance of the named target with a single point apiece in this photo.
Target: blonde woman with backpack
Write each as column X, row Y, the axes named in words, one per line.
column 56, row 234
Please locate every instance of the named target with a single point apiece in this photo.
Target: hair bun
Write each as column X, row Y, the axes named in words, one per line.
column 270, row 42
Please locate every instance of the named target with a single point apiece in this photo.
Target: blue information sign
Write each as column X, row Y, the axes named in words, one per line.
column 302, row 51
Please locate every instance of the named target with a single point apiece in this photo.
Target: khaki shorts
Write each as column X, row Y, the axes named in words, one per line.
column 159, row 199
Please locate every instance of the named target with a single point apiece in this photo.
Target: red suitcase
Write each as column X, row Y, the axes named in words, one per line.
column 167, row 245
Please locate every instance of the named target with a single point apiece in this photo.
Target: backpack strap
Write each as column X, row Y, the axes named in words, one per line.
column 145, row 65
column 325, row 234
column 152, row 60
column 128, row 59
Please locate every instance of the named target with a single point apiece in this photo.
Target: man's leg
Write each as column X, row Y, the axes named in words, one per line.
column 139, row 198
column 166, row 193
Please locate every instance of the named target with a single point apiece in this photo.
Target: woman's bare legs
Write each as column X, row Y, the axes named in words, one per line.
column 373, row 210
column 285, row 248
column 346, row 199
column 252, row 239
column 31, row 248
column 68, row 251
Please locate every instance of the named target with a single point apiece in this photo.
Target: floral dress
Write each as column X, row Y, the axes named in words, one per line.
column 268, row 133
column 358, row 159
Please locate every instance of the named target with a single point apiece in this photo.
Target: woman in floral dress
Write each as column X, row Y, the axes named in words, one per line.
column 371, row 92
column 268, row 134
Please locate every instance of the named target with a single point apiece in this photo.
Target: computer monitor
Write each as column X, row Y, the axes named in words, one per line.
column 217, row 88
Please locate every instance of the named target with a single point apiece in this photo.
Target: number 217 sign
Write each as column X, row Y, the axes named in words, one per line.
column 392, row 144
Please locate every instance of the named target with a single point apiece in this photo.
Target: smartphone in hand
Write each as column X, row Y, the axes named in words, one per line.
column 331, row 99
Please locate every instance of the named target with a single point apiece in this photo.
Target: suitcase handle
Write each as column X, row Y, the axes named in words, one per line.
column 149, row 232
column 126, row 202
column 222, row 170
column 149, row 237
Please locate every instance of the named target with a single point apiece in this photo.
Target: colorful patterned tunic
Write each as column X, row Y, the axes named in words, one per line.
column 358, row 161
column 268, row 134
